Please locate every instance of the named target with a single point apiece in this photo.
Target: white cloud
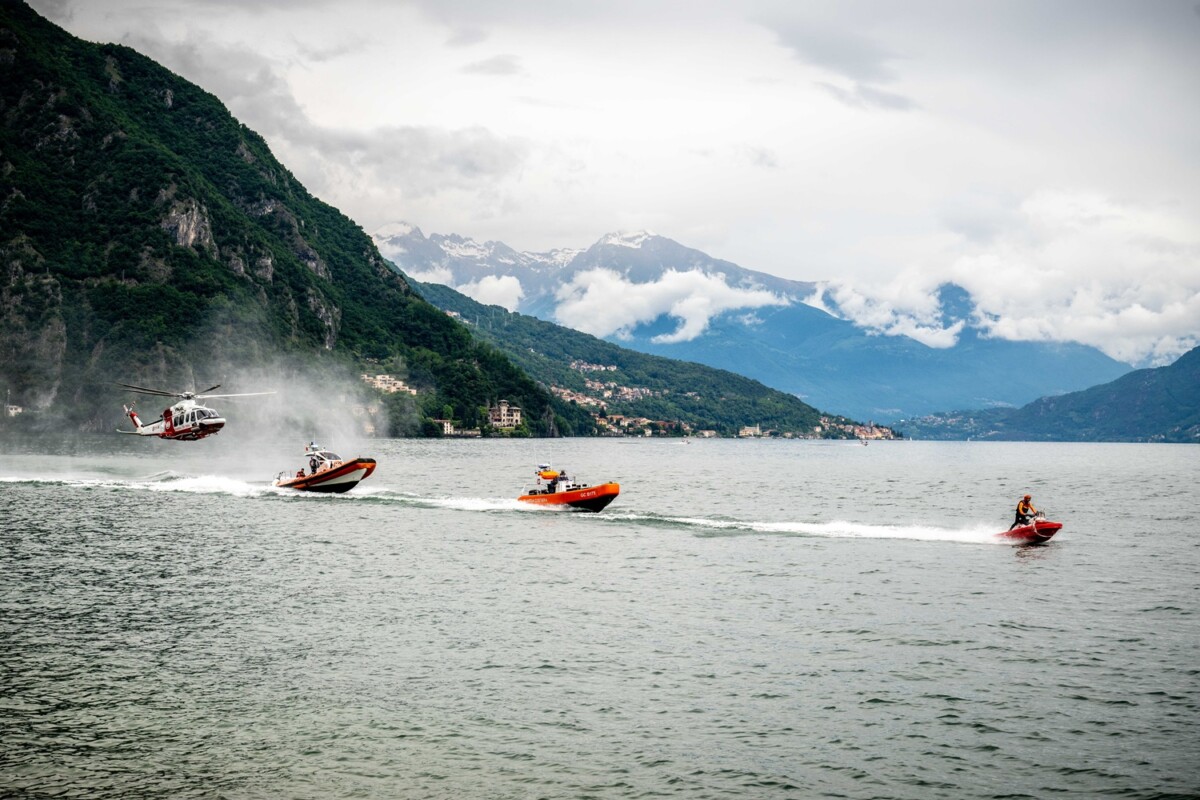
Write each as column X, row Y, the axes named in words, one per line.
column 603, row 303
column 905, row 307
column 496, row 65
column 495, row 290
column 441, row 275
column 1072, row 266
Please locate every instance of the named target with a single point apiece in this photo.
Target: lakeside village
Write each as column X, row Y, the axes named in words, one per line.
column 505, row 417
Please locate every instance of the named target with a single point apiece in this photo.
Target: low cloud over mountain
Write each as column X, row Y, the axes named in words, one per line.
column 864, row 353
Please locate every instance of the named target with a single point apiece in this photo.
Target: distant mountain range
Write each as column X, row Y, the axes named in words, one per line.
column 1146, row 405
column 596, row 374
column 652, row 294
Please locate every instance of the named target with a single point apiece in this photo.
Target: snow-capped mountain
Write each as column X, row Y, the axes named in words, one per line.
column 491, row 272
column 642, row 258
column 655, row 295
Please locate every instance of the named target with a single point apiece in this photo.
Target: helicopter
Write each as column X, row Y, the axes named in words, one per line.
column 187, row 420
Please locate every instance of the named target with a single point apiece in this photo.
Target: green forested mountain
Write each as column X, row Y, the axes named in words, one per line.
column 1146, row 405
column 702, row 396
column 147, row 236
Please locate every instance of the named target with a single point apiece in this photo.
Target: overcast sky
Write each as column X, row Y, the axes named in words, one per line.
column 1044, row 155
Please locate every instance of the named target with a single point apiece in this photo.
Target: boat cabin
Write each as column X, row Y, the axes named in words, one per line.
column 320, row 460
column 551, row 481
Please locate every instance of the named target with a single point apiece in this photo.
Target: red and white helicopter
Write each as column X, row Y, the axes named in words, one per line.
column 187, row 420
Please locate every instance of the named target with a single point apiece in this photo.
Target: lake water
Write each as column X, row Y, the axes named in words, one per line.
column 749, row 619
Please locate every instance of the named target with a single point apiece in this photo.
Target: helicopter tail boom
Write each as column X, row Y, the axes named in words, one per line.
column 138, row 428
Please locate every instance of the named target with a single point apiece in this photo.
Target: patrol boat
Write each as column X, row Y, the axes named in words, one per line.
column 559, row 490
column 327, row 472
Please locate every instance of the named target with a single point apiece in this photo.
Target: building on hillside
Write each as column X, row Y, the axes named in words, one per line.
column 584, row 366
column 387, row 383
column 577, row 398
column 502, row 415
column 750, row 431
column 11, row 411
column 448, row 429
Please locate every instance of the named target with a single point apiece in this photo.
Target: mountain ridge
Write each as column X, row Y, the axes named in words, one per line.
column 717, row 313
column 1157, row 404
column 603, row 375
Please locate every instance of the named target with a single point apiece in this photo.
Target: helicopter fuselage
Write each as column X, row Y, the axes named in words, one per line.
column 186, row 421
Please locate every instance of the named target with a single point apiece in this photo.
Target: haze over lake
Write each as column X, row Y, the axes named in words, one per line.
column 749, row 619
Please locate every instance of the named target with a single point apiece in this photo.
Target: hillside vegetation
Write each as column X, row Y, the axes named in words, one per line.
column 704, row 397
column 147, row 236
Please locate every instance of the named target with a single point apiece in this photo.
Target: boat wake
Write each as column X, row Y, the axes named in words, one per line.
column 171, row 481
column 839, row 529
column 166, row 481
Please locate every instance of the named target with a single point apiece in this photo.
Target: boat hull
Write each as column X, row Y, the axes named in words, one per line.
column 1038, row 531
column 341, row 478
column 587, row 498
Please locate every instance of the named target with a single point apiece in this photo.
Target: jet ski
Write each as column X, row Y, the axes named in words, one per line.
column 328, row 473
column 1039, row 529
column 561, row 491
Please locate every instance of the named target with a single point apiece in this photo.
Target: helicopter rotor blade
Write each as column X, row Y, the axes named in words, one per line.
column 209, row 389
column 245, row 394
column 144, row 390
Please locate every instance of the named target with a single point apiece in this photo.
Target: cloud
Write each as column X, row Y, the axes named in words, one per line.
column 417, row 161
column 495, row 290
column 464, row 37
column 441, row 275
column 355, row 168
column 496, row 65
column 837, row 48
column 603, row 303
column 1068, row 266
column 862, row 96
column 834, row 47
column 902, row 308
column 762, row 157
column 336, row 50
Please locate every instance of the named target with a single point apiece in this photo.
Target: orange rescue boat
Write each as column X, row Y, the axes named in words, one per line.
column 559, row 490
column 328, row 472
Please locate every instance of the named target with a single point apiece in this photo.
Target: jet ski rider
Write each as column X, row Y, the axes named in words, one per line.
column 1025, row 512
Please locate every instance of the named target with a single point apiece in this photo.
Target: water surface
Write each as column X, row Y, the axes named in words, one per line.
column 749, row 619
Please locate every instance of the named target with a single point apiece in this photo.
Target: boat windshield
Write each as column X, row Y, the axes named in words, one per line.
column 329, row 456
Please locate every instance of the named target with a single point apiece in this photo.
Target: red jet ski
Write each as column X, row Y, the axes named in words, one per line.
column 559, row 490
column 1038, row 530
column 328, row 473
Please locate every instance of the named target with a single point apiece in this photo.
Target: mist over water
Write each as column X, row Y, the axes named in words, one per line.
column 748, row 619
